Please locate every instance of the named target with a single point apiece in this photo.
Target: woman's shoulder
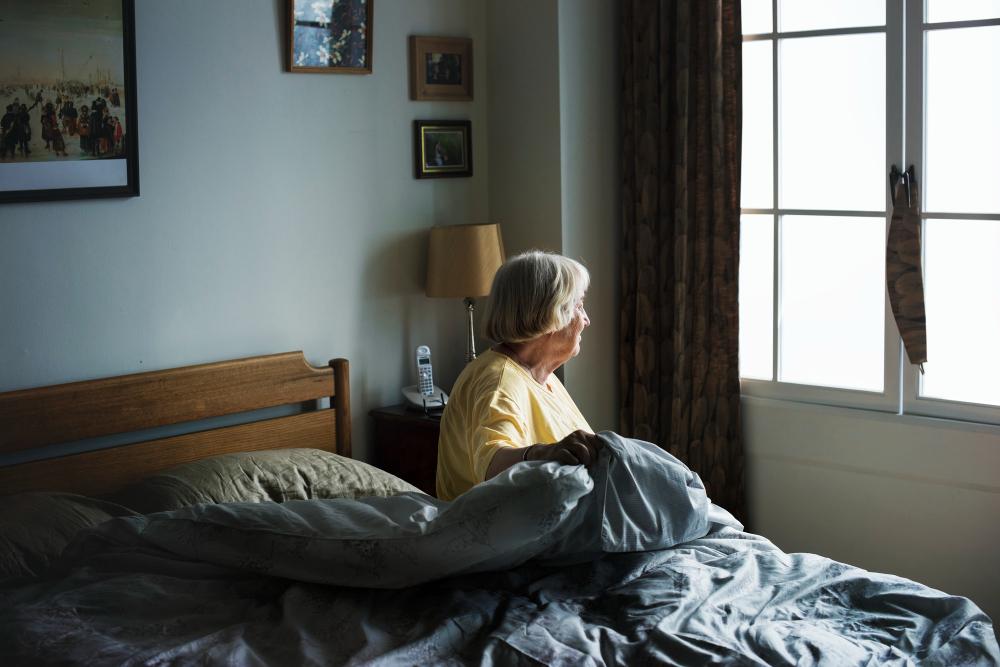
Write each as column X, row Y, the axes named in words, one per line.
column 490, row 367
column 491, row 374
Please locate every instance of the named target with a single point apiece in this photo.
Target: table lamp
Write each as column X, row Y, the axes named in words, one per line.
column 461, row 262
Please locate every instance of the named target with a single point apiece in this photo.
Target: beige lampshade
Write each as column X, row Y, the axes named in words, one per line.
column 462, row 260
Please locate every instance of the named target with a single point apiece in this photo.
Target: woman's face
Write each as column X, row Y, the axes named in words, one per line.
column 565, row 343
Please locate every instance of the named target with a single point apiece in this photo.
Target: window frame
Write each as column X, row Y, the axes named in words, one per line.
column 905, row 33
column 889, row 398
column 917, row 29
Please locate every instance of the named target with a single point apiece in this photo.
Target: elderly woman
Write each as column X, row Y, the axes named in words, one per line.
column 507, row 406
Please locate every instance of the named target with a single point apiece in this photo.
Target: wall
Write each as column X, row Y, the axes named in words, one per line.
column 913, row 496
column 524, row 160
column 278, row 212
column 554, row 180
column 590, row 150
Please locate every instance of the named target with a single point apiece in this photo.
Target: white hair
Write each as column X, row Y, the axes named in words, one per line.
column 533, row 294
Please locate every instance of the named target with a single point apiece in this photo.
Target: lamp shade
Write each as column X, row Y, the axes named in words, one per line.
column 462, row 260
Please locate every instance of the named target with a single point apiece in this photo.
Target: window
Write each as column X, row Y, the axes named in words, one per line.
column 833, row 95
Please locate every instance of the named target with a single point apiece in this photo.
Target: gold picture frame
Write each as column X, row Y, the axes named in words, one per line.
column 440, row 68
column 442, row 148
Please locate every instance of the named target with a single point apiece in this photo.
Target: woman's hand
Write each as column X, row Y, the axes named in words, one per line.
column 577, row 448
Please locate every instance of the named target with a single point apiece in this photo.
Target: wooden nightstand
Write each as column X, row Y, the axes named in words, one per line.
column 406, row 445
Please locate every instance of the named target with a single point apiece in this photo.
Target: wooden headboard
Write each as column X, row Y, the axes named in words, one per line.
column 36, row 418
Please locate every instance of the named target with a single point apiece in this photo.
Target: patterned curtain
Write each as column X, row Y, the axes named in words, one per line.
column 681, row 123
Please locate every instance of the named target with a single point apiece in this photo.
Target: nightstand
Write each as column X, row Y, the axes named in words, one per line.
column 406, row 445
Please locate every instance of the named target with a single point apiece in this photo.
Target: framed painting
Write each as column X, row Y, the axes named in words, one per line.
column 440, row 68
column 330, row 36
column 442, row 148
column 67, row 97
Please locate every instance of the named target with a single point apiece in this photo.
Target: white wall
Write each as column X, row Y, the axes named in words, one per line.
column 278, row 212
column 590, row 151
column 554, row 147
column 524, row 160
column 911, row 496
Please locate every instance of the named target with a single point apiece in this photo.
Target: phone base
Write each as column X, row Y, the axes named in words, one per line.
column 429, row 405
column 432, row 413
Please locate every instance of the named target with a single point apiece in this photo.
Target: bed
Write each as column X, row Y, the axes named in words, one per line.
column 263, row 542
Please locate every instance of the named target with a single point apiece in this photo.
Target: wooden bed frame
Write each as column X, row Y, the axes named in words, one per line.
column 44, row 416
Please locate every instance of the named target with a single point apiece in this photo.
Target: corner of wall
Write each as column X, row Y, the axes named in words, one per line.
column 590, row 192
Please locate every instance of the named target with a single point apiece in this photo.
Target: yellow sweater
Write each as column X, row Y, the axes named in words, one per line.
column 497, row 403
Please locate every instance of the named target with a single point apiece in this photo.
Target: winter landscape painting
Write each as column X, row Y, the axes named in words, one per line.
column 67, row 89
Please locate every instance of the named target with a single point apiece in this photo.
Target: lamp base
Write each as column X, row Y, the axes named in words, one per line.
column 470, row 343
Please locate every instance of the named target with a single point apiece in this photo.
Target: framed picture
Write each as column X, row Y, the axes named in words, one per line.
column 440, row 68
column 330, row 36
column 67, row 99
column 442, row 148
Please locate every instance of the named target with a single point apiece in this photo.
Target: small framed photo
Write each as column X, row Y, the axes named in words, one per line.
column 440, row 68
column 67, row 100
column 330, row 36
column 442, row 148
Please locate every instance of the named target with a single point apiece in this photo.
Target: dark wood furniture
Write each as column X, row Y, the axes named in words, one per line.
column 405, row 444
column 37, row 418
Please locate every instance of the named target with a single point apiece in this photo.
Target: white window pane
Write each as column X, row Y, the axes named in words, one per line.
column 821, row 14
column 756, row 16
column 757, row 189
column 832, row 133
column 963, row 135
column 756, row 296
column 832, row 301
column 962, row 294
column 939, row 11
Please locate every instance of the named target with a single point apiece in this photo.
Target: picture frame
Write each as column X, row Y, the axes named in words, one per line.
column 69, row 69
column 442, row 148
column 330, row 36
column 440, row 68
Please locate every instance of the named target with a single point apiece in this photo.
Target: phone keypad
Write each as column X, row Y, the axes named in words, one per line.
column 426, row 382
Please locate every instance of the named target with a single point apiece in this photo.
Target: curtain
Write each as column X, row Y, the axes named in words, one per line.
column 681, row 124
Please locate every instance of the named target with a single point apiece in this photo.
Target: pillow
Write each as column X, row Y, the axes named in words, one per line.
column 636, row 498
column 270, row 475
column 392, row 542
column 35, row 527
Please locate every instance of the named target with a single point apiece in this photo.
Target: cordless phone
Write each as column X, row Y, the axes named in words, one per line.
column 425, row 373
column 425, row 395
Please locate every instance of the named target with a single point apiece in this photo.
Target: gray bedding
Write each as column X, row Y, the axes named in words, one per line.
column 626, row 564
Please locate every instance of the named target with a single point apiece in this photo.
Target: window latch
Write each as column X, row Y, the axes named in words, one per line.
column 908, row 178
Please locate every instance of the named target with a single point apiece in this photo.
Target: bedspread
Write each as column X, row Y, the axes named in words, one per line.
column 626, row 564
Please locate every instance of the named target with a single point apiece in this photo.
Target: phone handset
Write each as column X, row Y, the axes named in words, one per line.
column 425, row 372
column 425, row 395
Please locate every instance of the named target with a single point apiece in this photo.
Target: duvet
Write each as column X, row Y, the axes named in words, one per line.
column 627, row 563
